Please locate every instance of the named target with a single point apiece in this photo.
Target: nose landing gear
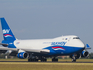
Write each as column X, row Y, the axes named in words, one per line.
column 73, row 59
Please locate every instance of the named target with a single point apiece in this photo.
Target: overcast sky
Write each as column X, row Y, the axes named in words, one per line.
column 38, row 19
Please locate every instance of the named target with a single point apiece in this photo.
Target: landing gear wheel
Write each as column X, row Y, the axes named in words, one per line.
column 32, row 60
column 73, row 60
column 43, row 60
column 54, row 60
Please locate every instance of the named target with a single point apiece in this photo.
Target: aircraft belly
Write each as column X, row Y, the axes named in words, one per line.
column 63, row 50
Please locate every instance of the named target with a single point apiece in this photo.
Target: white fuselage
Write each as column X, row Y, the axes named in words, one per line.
column 40, row 44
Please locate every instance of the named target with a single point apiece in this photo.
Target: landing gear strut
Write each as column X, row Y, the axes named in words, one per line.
column 73, row 59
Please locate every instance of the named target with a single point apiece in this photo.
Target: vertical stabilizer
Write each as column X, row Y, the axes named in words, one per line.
column 7, row 33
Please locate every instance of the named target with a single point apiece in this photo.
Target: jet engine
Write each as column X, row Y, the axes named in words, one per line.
column 85, row 54
column 22, row 55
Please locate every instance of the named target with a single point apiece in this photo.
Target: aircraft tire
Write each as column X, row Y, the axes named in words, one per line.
column 43, row 60
column 32, row 60
column 54, row 60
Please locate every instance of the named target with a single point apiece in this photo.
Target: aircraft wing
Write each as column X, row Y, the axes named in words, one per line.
column 37, row 50
column 6, row 48
column 27, row 50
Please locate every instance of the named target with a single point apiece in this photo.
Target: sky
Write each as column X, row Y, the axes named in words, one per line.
column 42, row 19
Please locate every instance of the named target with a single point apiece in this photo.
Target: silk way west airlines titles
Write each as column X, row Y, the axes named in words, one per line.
column 41, row 49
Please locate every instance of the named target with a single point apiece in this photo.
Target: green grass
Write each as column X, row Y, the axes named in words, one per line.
column 44, row 65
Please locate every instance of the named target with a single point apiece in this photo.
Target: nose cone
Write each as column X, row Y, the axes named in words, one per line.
column 76, row 43
column 79, row 43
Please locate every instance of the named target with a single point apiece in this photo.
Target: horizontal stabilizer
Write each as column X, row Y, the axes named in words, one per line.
column 3, row 44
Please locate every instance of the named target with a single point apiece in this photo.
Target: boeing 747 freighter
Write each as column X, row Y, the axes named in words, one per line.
column 41, row 49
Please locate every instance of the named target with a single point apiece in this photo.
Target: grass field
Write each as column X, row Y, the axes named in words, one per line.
column 24, row 65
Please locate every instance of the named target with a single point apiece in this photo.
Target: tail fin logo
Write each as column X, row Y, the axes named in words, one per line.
column 6, row 31
column 7, row 35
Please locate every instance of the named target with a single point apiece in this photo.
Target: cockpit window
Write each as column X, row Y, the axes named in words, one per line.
column 76, row 38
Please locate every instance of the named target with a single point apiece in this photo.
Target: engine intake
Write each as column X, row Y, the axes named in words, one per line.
column 22, row 55
column 85, row 53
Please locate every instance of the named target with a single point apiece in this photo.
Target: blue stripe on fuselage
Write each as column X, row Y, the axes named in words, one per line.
column 67, row 50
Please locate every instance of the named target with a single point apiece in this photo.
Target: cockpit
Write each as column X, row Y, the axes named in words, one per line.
column 76, row 38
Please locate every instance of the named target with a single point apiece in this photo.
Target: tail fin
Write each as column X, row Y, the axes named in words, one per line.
column 7, row 33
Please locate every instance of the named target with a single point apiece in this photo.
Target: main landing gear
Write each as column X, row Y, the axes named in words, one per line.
column 54, row 60
column 43, row 60
column 33, row 59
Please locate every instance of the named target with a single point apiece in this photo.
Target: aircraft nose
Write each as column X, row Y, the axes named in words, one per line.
column 81, row 44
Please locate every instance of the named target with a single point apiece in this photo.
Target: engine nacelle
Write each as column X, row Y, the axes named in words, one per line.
column 22, row 55
column 85, row 54
column 77, row 56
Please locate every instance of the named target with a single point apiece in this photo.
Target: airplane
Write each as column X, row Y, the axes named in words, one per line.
column 41, row 49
